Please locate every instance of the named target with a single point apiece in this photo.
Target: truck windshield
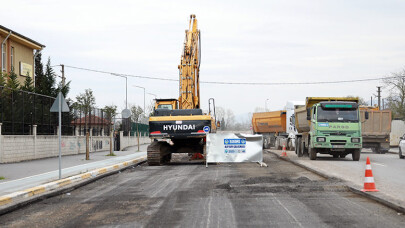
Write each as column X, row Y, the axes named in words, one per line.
column 337, row 115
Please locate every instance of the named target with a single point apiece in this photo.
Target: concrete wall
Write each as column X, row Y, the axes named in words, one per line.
column 126, row 141
column 16, row 148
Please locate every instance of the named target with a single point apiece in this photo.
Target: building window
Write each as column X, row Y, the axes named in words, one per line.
column 3, row 57
column 12, row 59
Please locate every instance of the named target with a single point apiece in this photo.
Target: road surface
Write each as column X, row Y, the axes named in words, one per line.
column 186, row 194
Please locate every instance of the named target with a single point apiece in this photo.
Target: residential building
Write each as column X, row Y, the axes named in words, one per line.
column 18, row 53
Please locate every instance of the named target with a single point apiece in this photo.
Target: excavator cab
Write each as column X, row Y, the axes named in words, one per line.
column 169, row 104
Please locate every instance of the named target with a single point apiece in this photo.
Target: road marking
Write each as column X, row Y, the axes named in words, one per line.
column 375, row 163
column 288, row 211
column 5, row 200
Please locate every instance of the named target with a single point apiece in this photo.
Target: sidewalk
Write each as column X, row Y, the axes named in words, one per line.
column 22, row 175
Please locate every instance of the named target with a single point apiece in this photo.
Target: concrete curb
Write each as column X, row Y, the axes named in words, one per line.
column 378, row 197
column 14, row 200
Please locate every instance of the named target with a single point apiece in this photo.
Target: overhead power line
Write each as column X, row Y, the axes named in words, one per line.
column 233, row 83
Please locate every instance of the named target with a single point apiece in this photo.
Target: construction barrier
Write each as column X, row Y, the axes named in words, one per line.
column 230, row 147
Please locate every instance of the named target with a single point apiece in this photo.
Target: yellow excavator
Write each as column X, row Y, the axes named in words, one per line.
column 182, row 121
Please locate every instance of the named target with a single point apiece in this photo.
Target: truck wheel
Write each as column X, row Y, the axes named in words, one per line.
column 312, row 153
column 265, row 143
column 400, row 154
column 377, row 150
column 303, row 149
column 335, row 155
column 356, row 154
column 343, row 155
column 276, row 146
column 299, row 148
column 292, row 148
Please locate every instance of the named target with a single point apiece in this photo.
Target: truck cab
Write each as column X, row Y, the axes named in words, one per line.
column 331, row 127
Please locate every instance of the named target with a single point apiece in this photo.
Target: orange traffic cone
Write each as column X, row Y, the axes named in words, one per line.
column 369, row 185
column 284, row 153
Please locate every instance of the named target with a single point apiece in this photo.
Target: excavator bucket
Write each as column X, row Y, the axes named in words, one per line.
column 197, row 156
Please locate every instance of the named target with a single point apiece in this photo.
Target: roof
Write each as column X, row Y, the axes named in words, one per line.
column 167, row 99
column 7, row 30
column 92, row 119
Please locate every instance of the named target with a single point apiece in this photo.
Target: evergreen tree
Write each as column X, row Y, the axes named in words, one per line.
column 49, row 82
column 64, row 89
column 28, row 85
column 2, row 79
column 12, row 81
column 39, row 73
column 44, row 81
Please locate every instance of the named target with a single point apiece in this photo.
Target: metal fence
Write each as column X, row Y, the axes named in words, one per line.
column 21, row 110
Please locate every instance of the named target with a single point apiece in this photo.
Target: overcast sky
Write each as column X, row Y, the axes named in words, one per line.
column 242, row 41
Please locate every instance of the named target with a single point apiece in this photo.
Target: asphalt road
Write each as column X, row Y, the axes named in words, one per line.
column 186, row 194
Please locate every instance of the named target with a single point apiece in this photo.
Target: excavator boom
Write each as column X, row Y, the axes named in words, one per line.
column 189, row 68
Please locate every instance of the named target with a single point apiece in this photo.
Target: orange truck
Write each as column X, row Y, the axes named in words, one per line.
column 277, row 127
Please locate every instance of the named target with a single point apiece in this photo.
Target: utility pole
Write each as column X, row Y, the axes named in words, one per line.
column 379, row 96
column 63, row 75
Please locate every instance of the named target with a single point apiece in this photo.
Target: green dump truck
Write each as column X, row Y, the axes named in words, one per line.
column 328, row 125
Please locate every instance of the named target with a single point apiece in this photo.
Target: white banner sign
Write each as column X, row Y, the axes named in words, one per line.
column 229, row 147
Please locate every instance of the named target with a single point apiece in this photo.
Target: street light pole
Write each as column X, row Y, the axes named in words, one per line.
column 126, row 92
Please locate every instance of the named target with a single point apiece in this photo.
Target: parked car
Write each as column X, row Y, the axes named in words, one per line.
column 401, row 147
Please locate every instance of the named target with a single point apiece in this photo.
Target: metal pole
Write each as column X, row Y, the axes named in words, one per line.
column 63, row 75
column 143, row 101
column 137, row 131
column 111, row 142
column 126, row 92
column 87, row 146
column 379, row 97
column 60, row 135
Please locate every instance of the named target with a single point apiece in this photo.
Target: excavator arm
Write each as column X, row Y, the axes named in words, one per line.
column 189, row 68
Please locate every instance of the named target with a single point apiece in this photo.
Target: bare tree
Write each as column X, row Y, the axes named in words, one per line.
column 85, row 101
column 150, row 109
column 220, row 114
column 395, row 84
column 136, row 113
column 111, row 111
column 361, row 100
column 229, row 119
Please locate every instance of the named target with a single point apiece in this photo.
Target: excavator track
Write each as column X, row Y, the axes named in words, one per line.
column 158, row 153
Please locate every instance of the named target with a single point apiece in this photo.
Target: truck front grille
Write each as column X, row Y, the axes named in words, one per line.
column 338, row 133
column 338, row 142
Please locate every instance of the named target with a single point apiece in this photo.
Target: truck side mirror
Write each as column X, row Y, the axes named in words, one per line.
column 308, row 114
column 366, row 115
column 218, row 124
